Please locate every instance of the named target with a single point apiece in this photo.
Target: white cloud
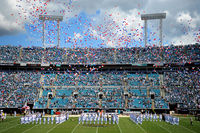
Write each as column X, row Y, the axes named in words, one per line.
column 78, row 36
column 9, row 22
column 14, row 14
column 117, row 27
column 190, row 28
column 184, row 39
column 186, row 19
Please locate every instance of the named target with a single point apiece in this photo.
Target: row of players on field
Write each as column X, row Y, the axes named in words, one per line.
column 87, row 118
column 138, row 119
column 96, row 118
column 3, row 115
column 38, row 119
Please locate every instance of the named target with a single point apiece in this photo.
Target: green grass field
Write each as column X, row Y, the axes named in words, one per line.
column 12, row 125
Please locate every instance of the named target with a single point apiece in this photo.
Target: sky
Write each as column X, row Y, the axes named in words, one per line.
column 98, row 23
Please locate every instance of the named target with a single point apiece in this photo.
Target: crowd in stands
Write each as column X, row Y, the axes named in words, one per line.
column 139, row 99
column 18, row 88
column 113, row 97
column 182, row 54
column 100, row 78
column 31, row 54
column 87, row 98
column 9, row 54
column 183, row 87
column 88, row 85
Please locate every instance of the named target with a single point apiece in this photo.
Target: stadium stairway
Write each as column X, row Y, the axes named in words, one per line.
column 124, row 98
column 56, row 77
column 42, row 83
column 148, row 92
column 42, row 79
column 162, row 91
column 100, row 103
column 41, row 92
column 153, row 104
column 126, row 102
column 54, row 91
column 48, row 103
column 20, row 54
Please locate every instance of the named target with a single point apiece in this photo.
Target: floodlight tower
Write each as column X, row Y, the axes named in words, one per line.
column 146, row 17
column 51, row 18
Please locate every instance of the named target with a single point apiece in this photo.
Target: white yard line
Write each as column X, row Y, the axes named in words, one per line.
column 8, row 128
column 13, row 120
column 53, row 128
column 7, row 122
column 97, row 129
column 75, row 128
column 10, row 121
column 163, row 128
column 29, row 129
column 141, row 128
column 188, row 129
column 184, row 117
column 119, row 128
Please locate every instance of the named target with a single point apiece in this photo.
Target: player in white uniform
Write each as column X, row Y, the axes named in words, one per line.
column 113, row 118
column 37, row 119
column 105, row 119
column 15, row 113
column 160, row 117
column 48, row 119
column 101, row 119
column 22, row 120
column 40, row 120
column 94, row 119
column 44, row 120
column 109, row 120
column 83, row 119
column 52, row 119
column 79, row 120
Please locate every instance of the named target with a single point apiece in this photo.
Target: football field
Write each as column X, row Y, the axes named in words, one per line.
column 12, row 125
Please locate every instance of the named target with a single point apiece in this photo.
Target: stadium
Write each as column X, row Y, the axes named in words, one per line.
column 139, row 89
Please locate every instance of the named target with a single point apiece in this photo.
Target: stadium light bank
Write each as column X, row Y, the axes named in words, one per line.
column 51, row 18
column 146, row 17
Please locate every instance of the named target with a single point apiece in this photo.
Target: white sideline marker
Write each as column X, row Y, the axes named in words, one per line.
column 164, row 128
column 53, row 128
column 8, row 128
column 188, row 129
column 119, row 128
column 141, row 128
column 29, row 129
column 97, row 129
column 75, row 128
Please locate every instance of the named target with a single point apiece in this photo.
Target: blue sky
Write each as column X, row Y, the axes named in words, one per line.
column 73, row 33
column 87, row 23
column 32, row 36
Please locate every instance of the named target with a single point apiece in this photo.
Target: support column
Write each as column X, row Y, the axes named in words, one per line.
column 100, row 103
column 88, row 56
column 126, row 103
column 58, row 24
column 115, row 51
column 160, row 32
column 43, row 23
column 145, row 30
